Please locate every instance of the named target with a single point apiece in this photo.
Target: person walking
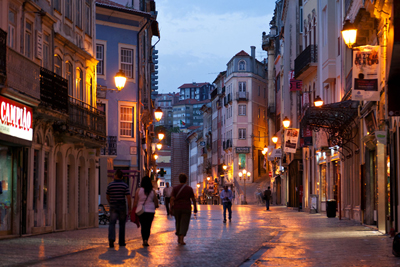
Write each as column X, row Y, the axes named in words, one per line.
column 167, row 196
column 267, row 197
column 117, row 192
column 226, row 197
column 181, row 198
column 146, row 197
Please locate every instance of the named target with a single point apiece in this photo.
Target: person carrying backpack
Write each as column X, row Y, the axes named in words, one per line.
column 267, row 197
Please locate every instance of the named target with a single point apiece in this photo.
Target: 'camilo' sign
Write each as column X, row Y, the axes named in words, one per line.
column 15, row 119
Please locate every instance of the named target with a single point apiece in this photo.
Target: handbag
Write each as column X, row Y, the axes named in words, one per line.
column 172, row 206
column 140, row 208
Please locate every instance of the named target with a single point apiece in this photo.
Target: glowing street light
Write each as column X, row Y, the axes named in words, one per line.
column 155, row 156
column 318, row 102
column 159, row 145
column 158, row 114
column 286, row 122
column 265, row 150
column 274, row 139
column 161, row 136
column 120, row 80
column 224, row 167
column 349, row 33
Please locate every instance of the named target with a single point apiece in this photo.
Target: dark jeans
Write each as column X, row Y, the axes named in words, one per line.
column 167, row 200
column 117, row 213
column 267, row 203
column 146, row 219
column 227, row 205
column 182, row 220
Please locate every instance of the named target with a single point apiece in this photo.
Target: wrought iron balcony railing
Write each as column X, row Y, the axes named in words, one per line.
column 302, row 62
column 53, row 91
column 242, row 96
column 84, row 117
column 111, row 146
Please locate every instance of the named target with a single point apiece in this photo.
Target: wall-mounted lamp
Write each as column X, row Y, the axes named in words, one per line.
column 224, row 167
column 159, row 145
column 286, row 122
column 120, row 80
column 158, row 114
column 160, row 136
column 265, row 150
column 349, row 33
column 155, row 156
column 274, row 139
column 318, row 102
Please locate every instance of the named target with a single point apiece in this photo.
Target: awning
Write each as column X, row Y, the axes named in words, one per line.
column 336, row 119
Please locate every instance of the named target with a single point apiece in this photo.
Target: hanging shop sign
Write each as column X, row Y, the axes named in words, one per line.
column 291, row 137
column 366, row 73
column 295, row 85
column 242, row 150
column 277, row 153
column 15, row 119
column 381, row 137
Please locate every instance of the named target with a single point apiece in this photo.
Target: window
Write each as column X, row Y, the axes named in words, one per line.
column 57, row 65
column 126, row 122
column 69, row 77
column 242, row 86
column 11, row 38
column 301, row 19
column 28, row 39
column 46, row 51
column 78, row 20
column 162, row 184
column 88, row 17
column 242, row 110
column 68, row 9
column 127, row 62
column 57, row 5
column 259, row 112
column 91, row 100
column 259, row 90
column 79, row 84
column 259, row 136
column 242, row 133
column 264, row 114
column 242, row 65
column 100, row 58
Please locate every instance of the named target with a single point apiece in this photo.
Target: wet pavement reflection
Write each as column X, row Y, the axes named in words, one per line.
column 255, row 237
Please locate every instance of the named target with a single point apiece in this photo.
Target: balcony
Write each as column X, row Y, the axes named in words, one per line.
column 306, row 62
column 3, row 56
column 218, row 103
column 223, row 91
column 227, row 144
column 214, row 93
column 242, row 96
column 53, row 91
column 111, row 147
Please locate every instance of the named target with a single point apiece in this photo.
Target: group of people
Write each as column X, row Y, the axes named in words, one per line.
column 180, row 198
column 178, row 201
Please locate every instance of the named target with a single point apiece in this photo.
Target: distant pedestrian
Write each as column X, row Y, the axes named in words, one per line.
column 267, row 197
column 181, row 199
column 167, row 196
column 147, row 198
column 117, row 192
column 226, row 197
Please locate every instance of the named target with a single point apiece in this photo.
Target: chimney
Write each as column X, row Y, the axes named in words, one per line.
column 253, row 51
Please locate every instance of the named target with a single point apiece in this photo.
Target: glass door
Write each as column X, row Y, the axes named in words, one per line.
column 5, row 191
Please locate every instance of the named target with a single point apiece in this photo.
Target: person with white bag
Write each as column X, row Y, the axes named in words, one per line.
column 146, row 202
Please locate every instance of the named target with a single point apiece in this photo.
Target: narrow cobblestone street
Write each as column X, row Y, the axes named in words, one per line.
column 255, row 237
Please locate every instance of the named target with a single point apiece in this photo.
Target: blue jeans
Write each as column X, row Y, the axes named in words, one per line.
column 227, row 205
column 267, row 203
column 117, row 213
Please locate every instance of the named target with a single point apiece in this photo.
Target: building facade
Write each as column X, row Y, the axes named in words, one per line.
column 197, row 91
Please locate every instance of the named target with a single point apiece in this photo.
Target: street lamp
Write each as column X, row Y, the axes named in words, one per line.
column 286, row 122
column 120, row 80
column 158, row 114
column 243, row 174
column 198, row 185
column 208, row 178
column 349, row 33
column 161, row 136
column 265, row 150
column 318, row 102
column 224, row 167
column 159, row 145
column 155, row 156
column 274, row 139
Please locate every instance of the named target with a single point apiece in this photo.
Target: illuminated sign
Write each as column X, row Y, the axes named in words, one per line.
column 15, row 119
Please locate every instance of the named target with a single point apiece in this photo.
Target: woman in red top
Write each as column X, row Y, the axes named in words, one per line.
column 181, row 199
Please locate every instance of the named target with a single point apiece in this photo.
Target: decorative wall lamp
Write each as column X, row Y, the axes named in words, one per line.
column 158, row 114
column 155, row 156
column 318, row 102
column 274, row 139
column 160, row 136
column 120, row 80
column 349, row 33
column 286, row 122
column 265, row 150
column 224, row 167
column 159, row 145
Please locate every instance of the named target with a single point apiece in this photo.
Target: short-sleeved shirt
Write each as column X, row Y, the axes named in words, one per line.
column 183, row 200
column 117, row 190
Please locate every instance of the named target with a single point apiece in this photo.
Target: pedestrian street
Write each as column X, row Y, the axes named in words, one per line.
column 255, row 237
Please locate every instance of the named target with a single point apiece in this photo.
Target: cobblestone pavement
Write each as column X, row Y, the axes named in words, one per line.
column 255, row 237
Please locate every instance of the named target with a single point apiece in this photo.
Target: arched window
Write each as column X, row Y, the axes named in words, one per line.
column 242, row 65
column 70, row 78
column 79, row 84
column 58, row 65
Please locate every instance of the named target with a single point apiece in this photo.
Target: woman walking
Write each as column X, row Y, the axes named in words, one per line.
column 181, row 198
column 146, row 197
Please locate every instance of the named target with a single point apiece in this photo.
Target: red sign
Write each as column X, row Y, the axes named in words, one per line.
column 295, row 85
column 15, row 119
column 270, row 174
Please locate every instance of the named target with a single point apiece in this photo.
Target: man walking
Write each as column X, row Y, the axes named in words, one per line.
column 117, row 192
column 226, row 197
column 267, row 197
column 167, row 196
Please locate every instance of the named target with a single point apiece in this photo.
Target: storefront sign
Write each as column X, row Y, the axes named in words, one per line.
column 366, row 73
column 291, row 138
column 242, row 150
column 295, row 85
column 15, row 119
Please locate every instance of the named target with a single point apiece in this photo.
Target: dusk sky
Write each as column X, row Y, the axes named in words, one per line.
column 199, row 37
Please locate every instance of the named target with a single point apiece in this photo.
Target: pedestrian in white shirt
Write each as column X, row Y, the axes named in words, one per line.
column 167, row 196
column 226, row 197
